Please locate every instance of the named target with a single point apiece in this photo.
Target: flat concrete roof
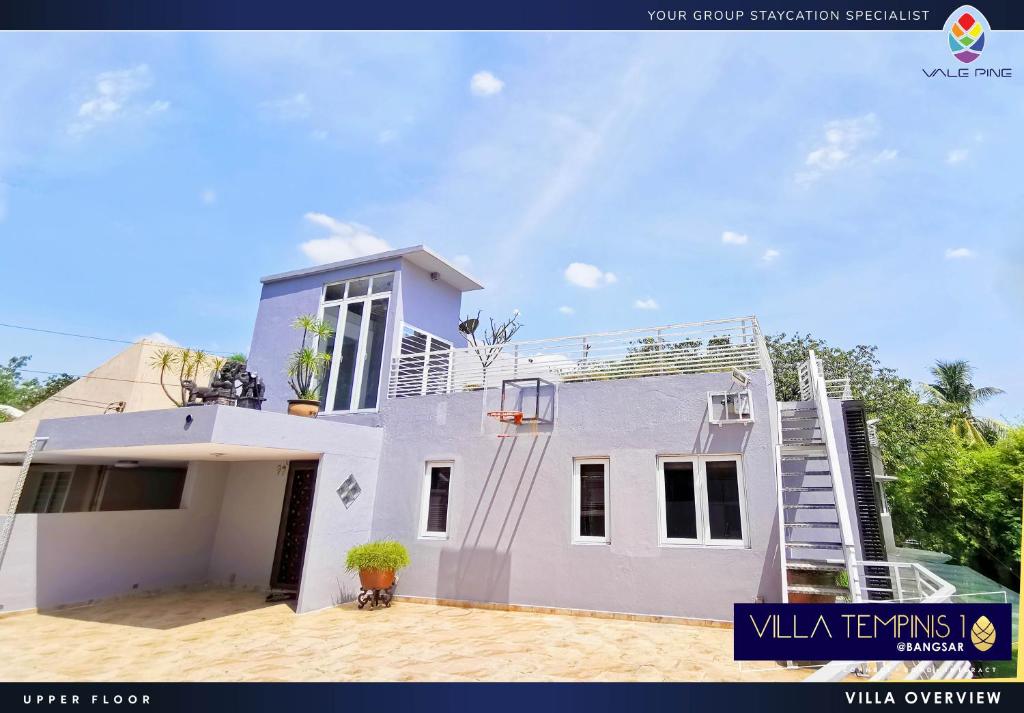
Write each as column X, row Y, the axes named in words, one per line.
column 213, row 433
column 419, row 255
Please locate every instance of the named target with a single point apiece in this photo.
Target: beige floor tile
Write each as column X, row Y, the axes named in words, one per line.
column 230, row 635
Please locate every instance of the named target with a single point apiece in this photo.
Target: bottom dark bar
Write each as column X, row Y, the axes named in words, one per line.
column 500, row 697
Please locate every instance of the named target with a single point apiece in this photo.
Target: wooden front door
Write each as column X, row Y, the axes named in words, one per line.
column 296, row 512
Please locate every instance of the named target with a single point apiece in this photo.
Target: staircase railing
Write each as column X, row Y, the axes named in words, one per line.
column 819, row 395
column 911, row 582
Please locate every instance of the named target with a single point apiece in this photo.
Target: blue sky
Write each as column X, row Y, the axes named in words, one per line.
column 819, row 181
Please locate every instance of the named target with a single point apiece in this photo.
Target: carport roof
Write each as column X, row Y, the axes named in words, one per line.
column 212, row 433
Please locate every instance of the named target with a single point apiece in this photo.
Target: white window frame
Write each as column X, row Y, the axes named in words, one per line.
column 745, row 393
column 577, row 538
column 55, row 473
column 396, row 351
column 424, row 533
column 364, row 328
column 701, row 503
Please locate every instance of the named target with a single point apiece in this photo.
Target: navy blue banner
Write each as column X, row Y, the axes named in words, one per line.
column 872, row 632
column 502, row 697
column 517, row 15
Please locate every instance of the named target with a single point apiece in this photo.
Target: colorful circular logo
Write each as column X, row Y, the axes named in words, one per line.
column 967, row 35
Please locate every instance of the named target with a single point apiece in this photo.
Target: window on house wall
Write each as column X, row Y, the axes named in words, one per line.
column 85, row 488
column 729, row 407
column 425, row 363
column 144, row 488
column 700, row 500
column 357, row 311
column 52, row 491
column 590, row 500
column 436, row 492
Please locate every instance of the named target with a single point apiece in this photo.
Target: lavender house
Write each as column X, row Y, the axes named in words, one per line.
column 648, row 471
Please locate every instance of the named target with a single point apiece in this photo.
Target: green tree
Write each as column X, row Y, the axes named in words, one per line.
column 953, row 389
column 904, row 420
column 23, row 393
column 964, row 499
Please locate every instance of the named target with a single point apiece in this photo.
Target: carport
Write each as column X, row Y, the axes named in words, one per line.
column 207, row 495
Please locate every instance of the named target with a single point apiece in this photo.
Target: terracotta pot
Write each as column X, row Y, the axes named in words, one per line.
column 376, row 578
column 303, row 407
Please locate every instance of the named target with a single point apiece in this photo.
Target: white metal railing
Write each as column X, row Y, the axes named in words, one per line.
column 898, row 582
column 819, row 395
column 691, row 348
column 838, row 389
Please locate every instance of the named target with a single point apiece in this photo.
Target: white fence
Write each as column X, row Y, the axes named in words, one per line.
column 692, row 348
column 898, row 582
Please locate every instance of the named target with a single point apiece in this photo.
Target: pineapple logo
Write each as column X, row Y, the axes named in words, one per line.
column 983, row 634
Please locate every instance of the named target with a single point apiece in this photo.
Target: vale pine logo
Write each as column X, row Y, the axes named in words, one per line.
column 966, row 32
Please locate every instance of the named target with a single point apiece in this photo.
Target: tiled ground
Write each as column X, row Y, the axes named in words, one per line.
column 224, row 635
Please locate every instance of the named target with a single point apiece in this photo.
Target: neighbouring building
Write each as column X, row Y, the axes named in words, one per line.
column 648, row 471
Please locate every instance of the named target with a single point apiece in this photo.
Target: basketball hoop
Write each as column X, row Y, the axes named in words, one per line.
column 515, row 417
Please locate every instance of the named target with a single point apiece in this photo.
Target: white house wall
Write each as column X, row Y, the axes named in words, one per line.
column 510, row 502
column 246, row 537
column 82, row 556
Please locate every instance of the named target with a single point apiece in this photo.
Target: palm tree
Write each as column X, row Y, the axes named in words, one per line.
column 954, row 390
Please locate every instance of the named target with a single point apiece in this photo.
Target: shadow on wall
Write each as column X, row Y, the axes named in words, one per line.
column 480, row 569
column 724, row 438
column 770, row 585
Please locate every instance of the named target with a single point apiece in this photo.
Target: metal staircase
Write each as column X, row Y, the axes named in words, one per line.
column 814, row 522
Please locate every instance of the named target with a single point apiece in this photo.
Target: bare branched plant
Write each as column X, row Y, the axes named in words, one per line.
column 488, row 346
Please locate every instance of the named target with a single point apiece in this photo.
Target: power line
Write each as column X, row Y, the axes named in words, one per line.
column 102, row 378
column 99, row 339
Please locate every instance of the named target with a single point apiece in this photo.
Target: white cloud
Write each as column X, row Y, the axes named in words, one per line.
column 770, row 255
column 387, row 136
column 295, row 107
column 318, row 135
column 463, row 262
column 158, row 338
column 344, row 242
column 3, row 201
column 957, row 156
column 959, row 253
column 843, row 140
column 886, row 155
column 589, row 276
column 485, row 84
column 208, row 196
column 567, row 310
column 113, row 97
column 648, row 303
column 731, row 238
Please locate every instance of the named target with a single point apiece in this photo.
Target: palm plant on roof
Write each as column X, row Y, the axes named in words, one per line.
column 953, row 390
column 185, row 364
column 307, row 365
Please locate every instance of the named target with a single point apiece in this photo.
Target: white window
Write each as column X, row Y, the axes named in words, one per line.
column 590, row 501
column 729, row 407
column 437, row 478
column 425, row 364
column 357, row 313
column 701, row 501
column 53, row 490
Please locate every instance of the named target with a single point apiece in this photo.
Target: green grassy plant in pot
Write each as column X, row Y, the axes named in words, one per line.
column 377, row 563
column 308, row 365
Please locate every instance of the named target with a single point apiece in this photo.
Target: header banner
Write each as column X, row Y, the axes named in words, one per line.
column 883, row 631
column 476, row 15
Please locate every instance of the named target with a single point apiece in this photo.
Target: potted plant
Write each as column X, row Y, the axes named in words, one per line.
column 307, row 366
column 377, row 563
